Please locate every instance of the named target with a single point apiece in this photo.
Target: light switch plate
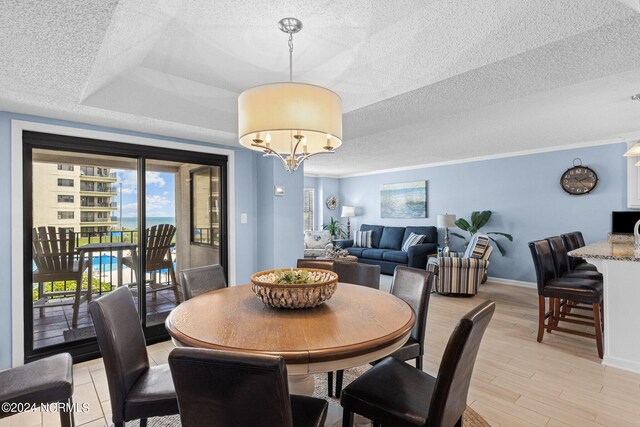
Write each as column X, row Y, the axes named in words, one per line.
column 243, row 218
column 279, row 190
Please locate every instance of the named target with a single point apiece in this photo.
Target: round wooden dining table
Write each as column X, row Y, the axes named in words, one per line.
column 356, row 326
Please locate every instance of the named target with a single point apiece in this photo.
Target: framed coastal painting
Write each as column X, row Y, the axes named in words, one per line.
column 404, row 200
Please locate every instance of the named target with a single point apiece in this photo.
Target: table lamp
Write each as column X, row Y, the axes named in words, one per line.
column 348, row 212
column 445, row 221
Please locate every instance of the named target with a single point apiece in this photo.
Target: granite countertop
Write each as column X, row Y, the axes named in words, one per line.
column 620, row 251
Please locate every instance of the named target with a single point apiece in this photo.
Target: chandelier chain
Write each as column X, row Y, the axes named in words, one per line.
column 290, row 56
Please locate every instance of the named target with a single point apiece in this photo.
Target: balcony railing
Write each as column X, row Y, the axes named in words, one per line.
column 95, row 218
column 97, row 188
column 98, row 205
column 85, row 172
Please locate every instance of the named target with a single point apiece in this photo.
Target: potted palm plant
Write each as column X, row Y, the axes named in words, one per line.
column 479, row 220
column 335, row 228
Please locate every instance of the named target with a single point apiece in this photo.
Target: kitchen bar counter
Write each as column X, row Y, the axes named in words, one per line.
column 619, row 251
column 620, row 268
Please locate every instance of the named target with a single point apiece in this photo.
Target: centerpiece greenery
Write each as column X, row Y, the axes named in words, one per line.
column 335, row 252
column 335, row 228
column 479, row 220
column 293, row 277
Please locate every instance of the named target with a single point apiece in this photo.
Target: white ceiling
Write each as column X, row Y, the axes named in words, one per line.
column 422, row 81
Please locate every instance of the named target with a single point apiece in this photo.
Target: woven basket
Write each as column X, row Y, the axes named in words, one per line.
column 294, row 295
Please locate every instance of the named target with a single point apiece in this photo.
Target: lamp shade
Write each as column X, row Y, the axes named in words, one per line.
column 348, row 212
column 446, row 220
column 274, row 113
column 633, row 151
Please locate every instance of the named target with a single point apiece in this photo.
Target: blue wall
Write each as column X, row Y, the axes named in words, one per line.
column 523, row 192
column 324, row 188
column 280, row 222
column 246, row 201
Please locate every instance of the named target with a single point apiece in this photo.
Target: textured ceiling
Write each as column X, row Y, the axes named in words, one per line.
column 421, row 81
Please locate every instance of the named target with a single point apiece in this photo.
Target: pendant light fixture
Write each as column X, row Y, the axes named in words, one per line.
column 290, row 121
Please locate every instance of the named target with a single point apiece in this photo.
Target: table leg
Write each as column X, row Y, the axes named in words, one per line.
column 119, row 266
column 305, row 385
column 302, row 384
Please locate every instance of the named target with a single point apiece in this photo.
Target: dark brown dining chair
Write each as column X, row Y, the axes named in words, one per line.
column 198, row 280
column 56, row 259
column 395, row 393
column 573, row 241
column 413, row 286
column 558, row 289
column 358, row 273
column 322, row 264
column 137, row 390
column 48, row 380
column 158, row 257
column 221, row 388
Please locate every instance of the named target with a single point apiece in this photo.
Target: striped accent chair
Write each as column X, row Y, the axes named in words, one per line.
column 461, row 274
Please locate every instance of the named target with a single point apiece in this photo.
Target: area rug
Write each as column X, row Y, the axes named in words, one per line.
column 471, row 418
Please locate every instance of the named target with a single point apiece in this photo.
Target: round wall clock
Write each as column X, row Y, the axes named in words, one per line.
column 579, row 180
column 332, row 202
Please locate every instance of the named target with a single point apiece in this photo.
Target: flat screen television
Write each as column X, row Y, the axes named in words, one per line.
column 624, row 221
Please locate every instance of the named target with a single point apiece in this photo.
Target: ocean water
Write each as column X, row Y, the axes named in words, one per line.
column 131, row 223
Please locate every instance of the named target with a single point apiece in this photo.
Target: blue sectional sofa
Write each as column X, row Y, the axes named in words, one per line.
column 386, row 250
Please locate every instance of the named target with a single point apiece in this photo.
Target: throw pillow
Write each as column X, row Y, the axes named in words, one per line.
column 363, row 239
column 412, row 240
column 480, row 247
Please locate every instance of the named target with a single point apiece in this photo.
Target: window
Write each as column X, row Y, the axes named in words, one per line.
column 65, row 167
column 308, row 208
column 62, row 182
column 65, row 214
column 205, row 206
column 65, row 198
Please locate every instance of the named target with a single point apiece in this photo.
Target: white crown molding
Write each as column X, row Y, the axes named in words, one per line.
column 617, row 140
column 17, row 126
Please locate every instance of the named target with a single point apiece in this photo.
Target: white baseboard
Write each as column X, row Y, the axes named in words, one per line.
column 511, row 282
column 616, row 362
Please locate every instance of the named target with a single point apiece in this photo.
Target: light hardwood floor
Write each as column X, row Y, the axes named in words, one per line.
column 517, row 381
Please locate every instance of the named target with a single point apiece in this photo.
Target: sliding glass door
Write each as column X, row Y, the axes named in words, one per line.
column 101, row 215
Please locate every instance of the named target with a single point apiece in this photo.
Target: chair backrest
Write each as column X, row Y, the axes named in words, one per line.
column 559, row 254
column 477, row 246
column 323, row 264
column 53, row 251
column 487, row 253
column 198, row 280
column 449, row 399
column 316, row 239
column 542, row 262
column 159, row 238
column 413, row 286
column 358, row 274
column 221, row 388
column 573, row 241
column 122, row 344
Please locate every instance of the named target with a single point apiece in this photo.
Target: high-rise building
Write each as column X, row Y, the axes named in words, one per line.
column 76, row 197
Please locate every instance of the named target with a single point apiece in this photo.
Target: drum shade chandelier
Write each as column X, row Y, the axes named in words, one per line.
column 290, row 121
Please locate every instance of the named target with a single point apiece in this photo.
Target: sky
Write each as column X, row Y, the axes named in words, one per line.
column 160, row 193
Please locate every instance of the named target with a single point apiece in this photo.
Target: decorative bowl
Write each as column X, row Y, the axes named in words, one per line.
column 303, row 295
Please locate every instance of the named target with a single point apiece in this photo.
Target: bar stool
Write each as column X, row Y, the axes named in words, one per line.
column 576, row 289
column 573, row 241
